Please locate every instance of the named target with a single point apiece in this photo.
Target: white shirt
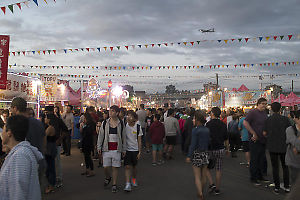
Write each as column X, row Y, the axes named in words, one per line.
column 68, row 119
column 131, row 137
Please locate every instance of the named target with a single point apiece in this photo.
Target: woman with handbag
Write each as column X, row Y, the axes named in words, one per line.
column 198, row 152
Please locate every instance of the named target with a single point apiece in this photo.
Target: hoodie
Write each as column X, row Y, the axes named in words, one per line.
column 157, row 132
column 19, row 173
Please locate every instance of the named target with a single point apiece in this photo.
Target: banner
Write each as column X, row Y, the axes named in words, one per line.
column 216, row 99
column 20, row 86
column 4, row 49
column 49, row 87
column 246, row 98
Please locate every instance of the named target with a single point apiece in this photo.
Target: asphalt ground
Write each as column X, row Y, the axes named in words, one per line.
column 173, row 180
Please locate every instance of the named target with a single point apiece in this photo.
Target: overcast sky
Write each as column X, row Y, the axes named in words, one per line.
column 99, row 23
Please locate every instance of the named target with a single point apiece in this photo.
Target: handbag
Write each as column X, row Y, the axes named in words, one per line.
column 211, row 163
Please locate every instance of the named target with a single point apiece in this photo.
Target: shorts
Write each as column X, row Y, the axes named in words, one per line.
column 157, row 147
column 131, row 158
column 111, row 159
column 246, row 147
column 218, row 156
column 171, row 140
column 199, row 158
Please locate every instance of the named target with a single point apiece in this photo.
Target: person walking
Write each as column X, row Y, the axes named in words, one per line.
column 234, row 135
column 157, row 134
column 274, row 130
column 87, row 129
column 133, row 145
column 50, row 153
column 19, row 173
column 171, row 130
column 254, row 123
column 111, row 144
column 198, row 152
column 142, row 114
column 217, row 148
column 245, row 140
column 292, row 157
column 68, row 119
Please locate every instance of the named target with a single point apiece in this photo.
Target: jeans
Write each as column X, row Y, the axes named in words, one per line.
column 275, row 167
column 257, row 160
column 67, row 143
column 50, row 172
column 58, row 164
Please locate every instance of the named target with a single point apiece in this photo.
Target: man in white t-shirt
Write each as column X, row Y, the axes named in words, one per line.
column 133, row 134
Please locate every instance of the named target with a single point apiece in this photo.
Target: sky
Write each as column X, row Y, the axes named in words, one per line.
column 99, row 23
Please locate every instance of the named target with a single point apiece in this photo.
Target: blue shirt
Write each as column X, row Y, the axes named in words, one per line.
column 244, row 131
column 200, row 139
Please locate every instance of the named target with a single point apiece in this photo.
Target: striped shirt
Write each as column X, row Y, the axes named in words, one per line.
column 19, row 173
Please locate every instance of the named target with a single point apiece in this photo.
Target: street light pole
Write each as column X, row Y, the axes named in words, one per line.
column 109, row 84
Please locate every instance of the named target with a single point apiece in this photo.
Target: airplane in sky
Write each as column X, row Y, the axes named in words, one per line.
column 207, row 30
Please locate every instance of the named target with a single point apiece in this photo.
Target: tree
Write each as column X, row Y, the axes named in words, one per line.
column 170, row 89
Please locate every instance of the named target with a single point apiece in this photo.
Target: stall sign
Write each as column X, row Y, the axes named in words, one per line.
column 4, row 51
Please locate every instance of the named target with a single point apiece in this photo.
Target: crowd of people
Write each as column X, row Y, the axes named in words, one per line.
column 32, row 148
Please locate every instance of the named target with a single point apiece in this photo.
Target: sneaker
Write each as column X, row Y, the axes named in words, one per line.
column 264, row 180
column 217, row 192
column 256, row 182
column 287, row 189
column 154, row 164
column 134, row 182
column 114, row 189
column 127, row 187
column 107, row 181
column 160, row 162
column 211, row 188
column 59, row 184
column 276, row 191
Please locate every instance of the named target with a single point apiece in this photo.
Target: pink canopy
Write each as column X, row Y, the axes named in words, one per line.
column 243, row 88
column 234, row 90
column 280, row 98
column 291, row 100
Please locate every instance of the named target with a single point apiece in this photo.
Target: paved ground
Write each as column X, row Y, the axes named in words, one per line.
column 173, row 180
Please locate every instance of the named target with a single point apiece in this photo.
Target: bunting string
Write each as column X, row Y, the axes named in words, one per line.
column 152, row 45
column 20, row 5
column 146, row 67
column 271, row 76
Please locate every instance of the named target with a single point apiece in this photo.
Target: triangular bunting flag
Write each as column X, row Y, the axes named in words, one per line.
column 158, row 45
column 88, row 49
column 98, row 49
column 275, row 37
column 281, row 37
column 3, row 9
column 19, row 5
column 39, row 52
column 118, row 47
column 184, row 43
column 111, row 48
column 49, row 51
column 140, row 46
column 290, row 36
column 246, row 39
column 192, row 43
column 219, row 40
column 23, row 53
column 105, row 48
column 232, row 40
column 198, row 42
column 267, row 38
column 225, row 41
column 240, row 39
column 152, row 45
column 54, row 51
column 11, row 8
column 146, row 45
column 36, row 2
column 166, row 44
column 46, row 1
column 33, row 52
column 126, row 47
column 65, row 50
column 260, row 38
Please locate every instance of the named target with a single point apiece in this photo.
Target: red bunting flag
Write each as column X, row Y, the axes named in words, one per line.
column 210, row 66
column 284, row 63
column 246, row 39
column 24, row 53
column 290, row 36
column 275, row 37
column 111, row 48
column 126, row 47
column 54, row 51
column 3, row 9
column 44, row 52
column 192, row 43
column 235, row 66
column 232, row 40
column 152, row 45
column 19, row 5
column 166, row 44
column 88, row 49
